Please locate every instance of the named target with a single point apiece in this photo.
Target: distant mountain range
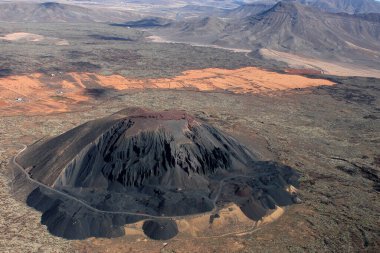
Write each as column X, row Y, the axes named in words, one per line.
column 335, row 6
column 288, row 27
column 119, row 11
column 348, row 6
column 346, row 31
column 58, row 12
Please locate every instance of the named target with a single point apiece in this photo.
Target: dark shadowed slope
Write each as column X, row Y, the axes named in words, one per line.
column 160, row 229
column 139, row 164
column 148, row 22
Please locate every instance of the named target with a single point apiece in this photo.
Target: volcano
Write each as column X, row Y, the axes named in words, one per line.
column 144, row 165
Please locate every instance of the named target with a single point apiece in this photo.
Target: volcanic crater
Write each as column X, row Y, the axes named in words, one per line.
column 141, row 165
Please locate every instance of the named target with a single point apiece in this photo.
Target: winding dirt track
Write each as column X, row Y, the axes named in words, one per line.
column 255, row 227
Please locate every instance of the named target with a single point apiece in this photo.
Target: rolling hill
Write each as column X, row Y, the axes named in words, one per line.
column 247, row 10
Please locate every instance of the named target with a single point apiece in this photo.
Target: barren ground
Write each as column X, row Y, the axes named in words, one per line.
column 330, row 68
column 329, row 134
column 31, row 37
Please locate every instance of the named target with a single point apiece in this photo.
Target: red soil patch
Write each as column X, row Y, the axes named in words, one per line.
column 244, row 80
column 45, row 94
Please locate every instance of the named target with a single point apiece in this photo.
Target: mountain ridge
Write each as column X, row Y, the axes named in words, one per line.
column 293, row 28
column 60, row 12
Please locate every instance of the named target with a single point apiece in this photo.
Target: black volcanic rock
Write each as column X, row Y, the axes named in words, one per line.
column 138, row 164
column 160, row 229
column 167, row 148
column 69, row 219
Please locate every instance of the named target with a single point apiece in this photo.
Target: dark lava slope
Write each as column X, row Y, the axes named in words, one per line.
column 139, row 164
